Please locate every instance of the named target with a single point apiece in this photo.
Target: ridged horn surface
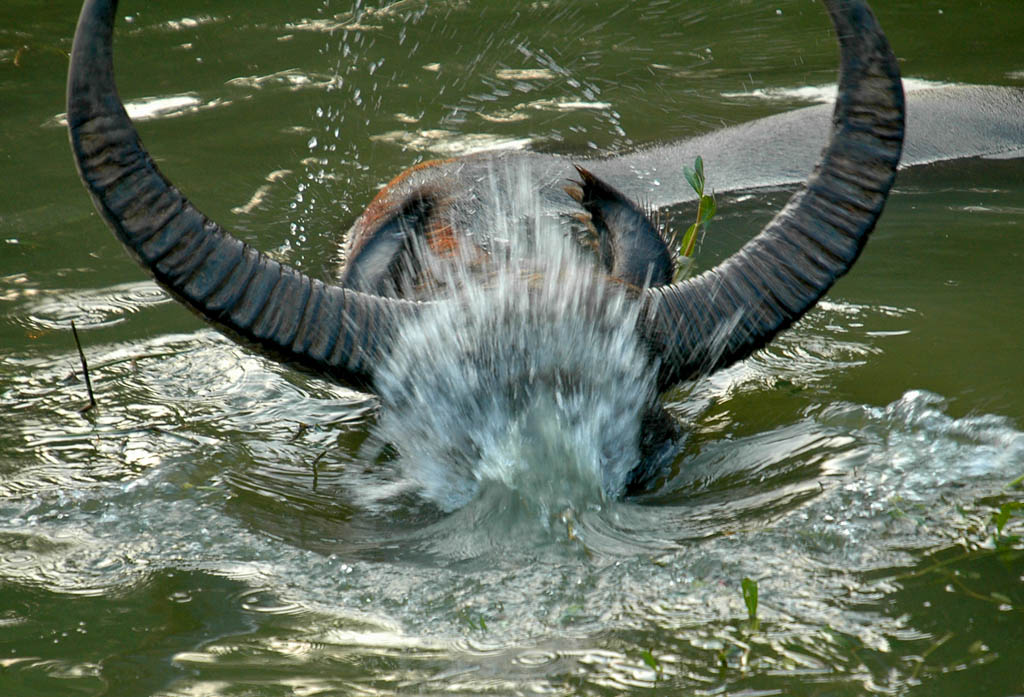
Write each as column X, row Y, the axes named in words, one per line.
column 721, row 316
column 258, row 301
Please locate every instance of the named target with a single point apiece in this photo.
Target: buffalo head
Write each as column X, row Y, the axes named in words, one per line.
column 345, row 329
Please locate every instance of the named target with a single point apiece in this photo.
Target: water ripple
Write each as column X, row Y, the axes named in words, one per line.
column 54, row 310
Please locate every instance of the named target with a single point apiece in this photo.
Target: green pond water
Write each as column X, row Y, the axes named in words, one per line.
column 213, row 526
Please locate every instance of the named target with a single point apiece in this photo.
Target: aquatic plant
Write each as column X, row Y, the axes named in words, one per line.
column 706, row 209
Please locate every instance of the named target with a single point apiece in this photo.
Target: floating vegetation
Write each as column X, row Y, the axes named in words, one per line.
column 85, row 370
column 750, row 599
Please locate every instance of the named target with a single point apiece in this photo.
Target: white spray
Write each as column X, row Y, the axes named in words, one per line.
column 529, row 377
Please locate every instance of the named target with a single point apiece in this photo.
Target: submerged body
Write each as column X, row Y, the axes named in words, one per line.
column 452, row 226
column 944, row 122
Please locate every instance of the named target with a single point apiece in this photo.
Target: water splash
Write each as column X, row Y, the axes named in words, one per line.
column 529, row 377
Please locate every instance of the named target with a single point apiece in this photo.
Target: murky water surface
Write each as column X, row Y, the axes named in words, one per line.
column 222, row 525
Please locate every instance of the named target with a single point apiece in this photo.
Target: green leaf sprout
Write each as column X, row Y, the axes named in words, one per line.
column 706, row 209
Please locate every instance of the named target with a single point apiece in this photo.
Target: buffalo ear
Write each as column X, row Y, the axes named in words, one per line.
column 629, row 246
column 387, row 261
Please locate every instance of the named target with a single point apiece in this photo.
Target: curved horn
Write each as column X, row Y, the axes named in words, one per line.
column 700, row 325
column 258, row 301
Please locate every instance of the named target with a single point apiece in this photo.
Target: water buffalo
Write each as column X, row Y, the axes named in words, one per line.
column 427, row 216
